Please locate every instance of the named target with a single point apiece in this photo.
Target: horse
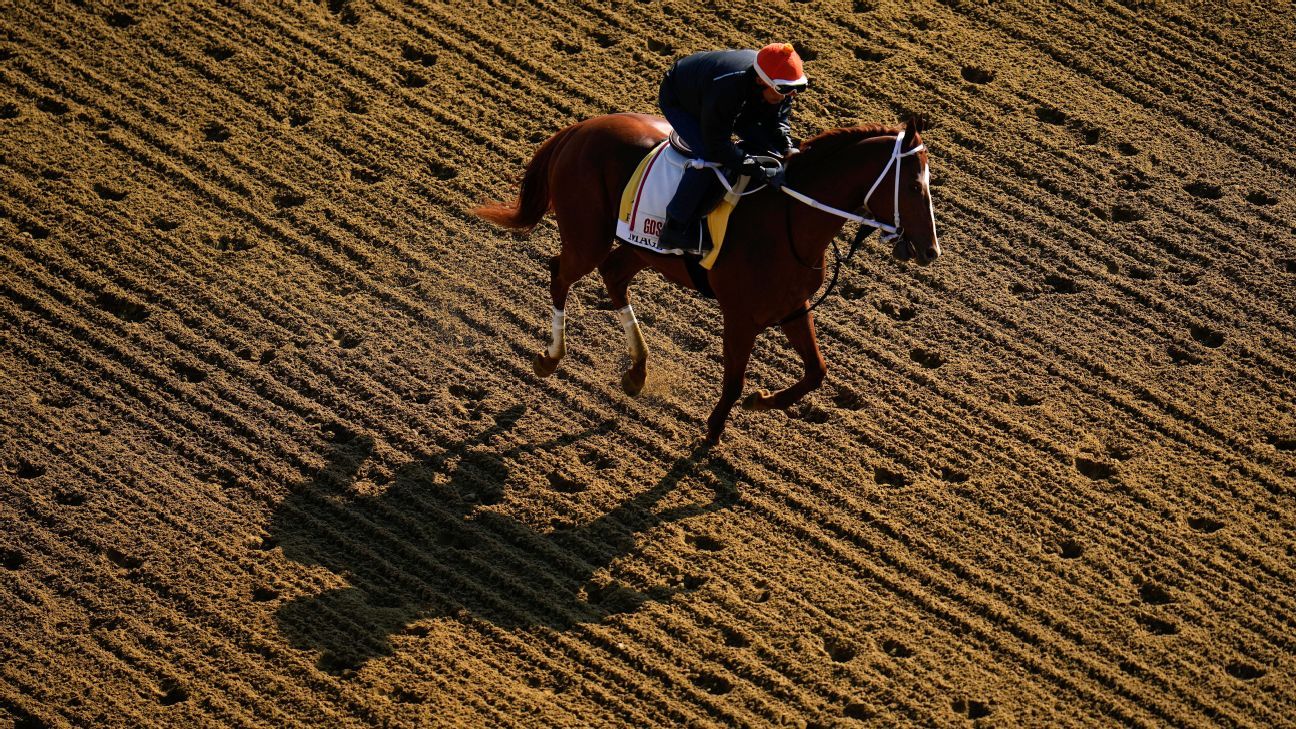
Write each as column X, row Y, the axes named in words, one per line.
column 774, row 258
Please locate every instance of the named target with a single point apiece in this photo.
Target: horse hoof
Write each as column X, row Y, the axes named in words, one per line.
column 544, row 365
column 757, row 401
column 631, row 383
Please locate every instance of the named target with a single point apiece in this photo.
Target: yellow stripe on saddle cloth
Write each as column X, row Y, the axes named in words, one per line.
column 717, row 220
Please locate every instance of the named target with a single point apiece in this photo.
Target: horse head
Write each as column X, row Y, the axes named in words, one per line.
column 910, row 198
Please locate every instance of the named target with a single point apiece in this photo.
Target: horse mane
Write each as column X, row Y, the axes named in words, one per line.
column 835, row 140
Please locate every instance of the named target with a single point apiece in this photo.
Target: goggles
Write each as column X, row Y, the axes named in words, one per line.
column 785, row 89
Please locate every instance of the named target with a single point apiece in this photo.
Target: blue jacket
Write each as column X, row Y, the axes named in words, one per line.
column 719, row 90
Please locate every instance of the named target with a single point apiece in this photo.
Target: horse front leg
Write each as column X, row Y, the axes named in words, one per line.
column 738, row 342
column 801, row 334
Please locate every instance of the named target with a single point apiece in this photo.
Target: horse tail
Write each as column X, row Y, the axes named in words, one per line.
column 533, row 197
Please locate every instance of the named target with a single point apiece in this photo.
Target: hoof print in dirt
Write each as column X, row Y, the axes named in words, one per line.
column 1060, row 284
column 1207, row 337
column 264, row 594
column 1244, row 671
column 1128, row 213
column 952, row 475
column 870, row 55
column 69, row 498
column 468, row 393
column 858, row 710
column 1050, row 115
column 368, row 175
column 215, row 132
column 356, row 104
column 9, row 111
column 896, row 311
column 346, row 11
column 1204, row 190
column 123, row 560
column 25, row 469
column 704, row 542
column 52, row 106
column 896, row 649
column 848, row 399
column 412, row 79
column 172, row 694
column 234, row 243
column 887, row 477
column 1204, row 524
column 977, row 75
column 122, row 307
column 564, row 484
column 1285, row 443
column 289, row 199
column 108, row 192
column 337, row 433
column 120, row 20
column 1262, row 199
column 414, row 54
column 1154, row 593
column 971, row 708
column 12, row 559
column 713, row 683
column 809, row 413
column 1156, row 626
column 219, row 53
column 1095, row 470
column 1070, row 549
column 189, row 373
column 929, row 360
column 838, row 651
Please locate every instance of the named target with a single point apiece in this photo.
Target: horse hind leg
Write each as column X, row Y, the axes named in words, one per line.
column 617, row 271
column 585, row 244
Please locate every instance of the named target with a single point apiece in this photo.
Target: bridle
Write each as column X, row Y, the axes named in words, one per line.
column 889, row 232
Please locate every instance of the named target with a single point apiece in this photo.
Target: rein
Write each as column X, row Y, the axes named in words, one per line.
column 890, row 232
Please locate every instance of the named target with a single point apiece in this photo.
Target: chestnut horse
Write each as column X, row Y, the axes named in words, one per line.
column 773, row 260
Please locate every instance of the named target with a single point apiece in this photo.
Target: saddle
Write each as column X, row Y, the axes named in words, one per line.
column 643, row 203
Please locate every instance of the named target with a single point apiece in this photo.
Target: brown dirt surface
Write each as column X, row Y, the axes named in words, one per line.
column 273, row 453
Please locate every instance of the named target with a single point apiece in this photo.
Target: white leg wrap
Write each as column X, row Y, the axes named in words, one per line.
column 558, row 342
column 626, row 314
column 634, row 337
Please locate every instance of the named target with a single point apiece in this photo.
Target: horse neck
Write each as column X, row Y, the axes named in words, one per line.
column 841, row 181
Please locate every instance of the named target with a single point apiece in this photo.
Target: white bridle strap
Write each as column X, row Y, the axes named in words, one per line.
column 889, row 230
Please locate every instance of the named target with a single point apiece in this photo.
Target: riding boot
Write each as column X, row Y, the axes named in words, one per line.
column 681, row 230
column 678, row 234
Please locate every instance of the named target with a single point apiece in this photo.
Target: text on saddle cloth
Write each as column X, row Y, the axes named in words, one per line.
column 643, row 203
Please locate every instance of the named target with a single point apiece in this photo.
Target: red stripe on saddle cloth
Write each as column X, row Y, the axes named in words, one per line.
column 634, row 213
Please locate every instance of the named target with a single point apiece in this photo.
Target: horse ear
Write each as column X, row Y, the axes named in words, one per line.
column 912, row 127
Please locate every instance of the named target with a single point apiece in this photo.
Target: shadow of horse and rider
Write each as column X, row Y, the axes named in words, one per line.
column 425, row 547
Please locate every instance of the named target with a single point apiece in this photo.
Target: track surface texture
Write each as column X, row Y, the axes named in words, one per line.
column 273, row 453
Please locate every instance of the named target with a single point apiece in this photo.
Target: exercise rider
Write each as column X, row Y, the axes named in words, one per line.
column 712, row 96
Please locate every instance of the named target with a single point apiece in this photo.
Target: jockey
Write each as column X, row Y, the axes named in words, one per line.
column 708, row 98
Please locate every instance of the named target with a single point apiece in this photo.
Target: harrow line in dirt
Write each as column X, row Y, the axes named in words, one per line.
column 1061, row 456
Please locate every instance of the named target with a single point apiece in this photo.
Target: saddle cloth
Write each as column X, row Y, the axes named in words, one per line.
column 644, row 201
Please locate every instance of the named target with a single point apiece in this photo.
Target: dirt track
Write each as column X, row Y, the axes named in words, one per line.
column 273, row 452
